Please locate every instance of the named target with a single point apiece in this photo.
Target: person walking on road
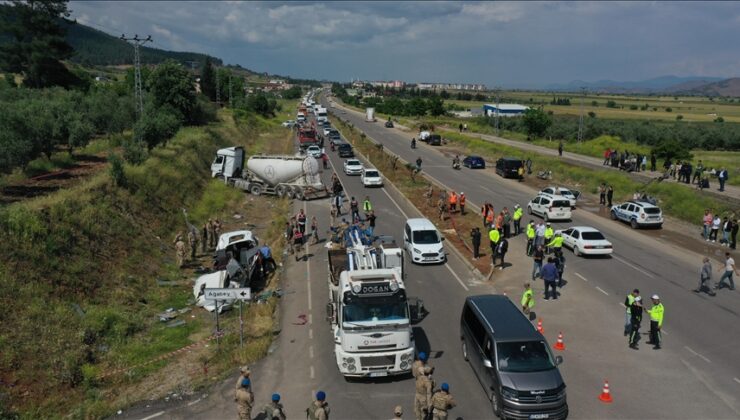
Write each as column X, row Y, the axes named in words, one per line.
column 419, row 363
column 244, row 373
column 628, row 301
column 560, row 149
column 367, row 207
column 506, row 223
column 314, row 230
column 656, row 322
column 244, row 400
column 538, row 256
column 354, row 207
column 297, row 242
column 517, row 217
column 716, row 223
column 475, row 238
column 530, row 237
column 423, row 396
column 705, row 276
column 550, row 276
column 602, row 194
column 635, row 322
column 722, row 178
column 707, row 223
column 301, row 220
column 442, row 402
column 274, row 410
column 370, row 218
column 729, row 271
column 609, row 195
column 549, row 233
column 527, row 299
column 319, row 409
column 539, row 234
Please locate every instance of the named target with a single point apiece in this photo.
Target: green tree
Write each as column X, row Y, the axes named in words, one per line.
column 436, row 106
column 35, row 45
column 171, row 85
column 208, row 79
column 81, row 132
column 536, row 122
column 611, row 104
column 672, row 149
column 259, row 104
column 157, row 126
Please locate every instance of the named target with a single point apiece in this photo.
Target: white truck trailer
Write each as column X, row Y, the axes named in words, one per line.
column 369, row 311
column 370, row 114
column 285, row 176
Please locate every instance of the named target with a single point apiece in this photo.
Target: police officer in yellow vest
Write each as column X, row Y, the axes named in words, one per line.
column 549, row 233
column 517, row 217
column 527, row 299
column 556, row 244
column 494, row 236
column 628, row 301
column 656, row 322
column 530, row 238
column 442, row 402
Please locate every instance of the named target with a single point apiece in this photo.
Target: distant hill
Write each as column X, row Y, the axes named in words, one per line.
column 97, row 48
column 727, row 87
column 663, row 84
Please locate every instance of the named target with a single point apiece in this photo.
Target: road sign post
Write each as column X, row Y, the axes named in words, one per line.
column 221, row 294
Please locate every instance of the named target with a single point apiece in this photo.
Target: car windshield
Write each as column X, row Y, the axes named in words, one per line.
column 345, row 146
column 592, row 236
column 525, row 356
column 560, row 203
column 651, row 210
column 425, row 237
column 565, row 193
column 353, row 163
column 375, row 308
column 372, row 174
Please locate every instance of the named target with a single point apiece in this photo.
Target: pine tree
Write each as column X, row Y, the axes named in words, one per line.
column 208, row 79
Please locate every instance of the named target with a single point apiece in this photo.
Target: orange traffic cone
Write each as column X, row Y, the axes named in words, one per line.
column 560, row 345
column 605, row 396
column 539, row 326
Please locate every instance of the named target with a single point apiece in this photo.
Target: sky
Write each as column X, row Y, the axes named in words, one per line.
column 507, row 44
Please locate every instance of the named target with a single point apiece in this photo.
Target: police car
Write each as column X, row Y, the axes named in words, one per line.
column 638, row 214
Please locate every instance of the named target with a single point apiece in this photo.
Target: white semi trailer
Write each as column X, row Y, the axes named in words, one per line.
column 285, row 176
column 370, row 114
column 369, row 311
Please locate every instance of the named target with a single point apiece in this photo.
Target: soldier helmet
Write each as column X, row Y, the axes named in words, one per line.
column 245, row 370
column 246, row 383
column 275, row 397
column 445, row 387
column 398, row 411
column 423, row 356
column 321, row 396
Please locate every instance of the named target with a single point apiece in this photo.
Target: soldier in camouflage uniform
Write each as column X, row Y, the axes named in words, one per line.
column 193, row 242
column 442, row 402
column 244, row 400
column 419, row 363
column 216, row 231
column 423, row 396
column 180, row 251
column 245, row 372
column 211, row 234
column 204, row 238
column 274, row 410
column 319, row 409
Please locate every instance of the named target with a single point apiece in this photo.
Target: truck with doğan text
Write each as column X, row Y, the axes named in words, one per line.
column 285, row 176
column 307, row 137
column 369, row 310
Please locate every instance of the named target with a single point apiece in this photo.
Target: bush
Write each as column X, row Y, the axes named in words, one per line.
column 117, row 171
column 669, row 109
column 679, row 117
column 157, row 127
column 134, row 151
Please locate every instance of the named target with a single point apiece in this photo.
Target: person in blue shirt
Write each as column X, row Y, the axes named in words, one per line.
column 549, row 273
column 268, row 263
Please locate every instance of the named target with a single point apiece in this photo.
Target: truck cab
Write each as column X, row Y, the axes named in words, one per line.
column 229, row 163
column 369, row 311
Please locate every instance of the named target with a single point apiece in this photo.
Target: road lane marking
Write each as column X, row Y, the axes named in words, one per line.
column 458, row 278
column 632, row 266
column 697, row 354
column 310, row 333
column 153, row 415
column 312, row 372
column 582, row 278
column 310, row 351
column 602, row 290
column 736, row 380
column 191, row 403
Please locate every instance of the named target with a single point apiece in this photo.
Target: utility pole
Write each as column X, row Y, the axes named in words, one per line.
column 138, row 94
column 218, row 90
column 580, row 119
column 498, row 105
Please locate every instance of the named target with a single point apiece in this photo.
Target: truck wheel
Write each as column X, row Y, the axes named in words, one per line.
column 280, row 191
column 288, row 193
column 298, row 194
column 255, row 189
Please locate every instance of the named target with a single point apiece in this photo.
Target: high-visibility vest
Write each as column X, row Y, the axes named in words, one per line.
column 518, row 213
column 656, row 314
column 549, row 232
column 453, row 198
column 557, row 242
column 629, row 301
column 367, row 206
column 462, row 199
column 530, row 231
column 489, row 217
column 528, row 297
column 494, row 236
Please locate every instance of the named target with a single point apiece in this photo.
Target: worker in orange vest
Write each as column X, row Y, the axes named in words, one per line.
column 462, row 203
column 500, row 221
column 489, row 216
column 453, row 201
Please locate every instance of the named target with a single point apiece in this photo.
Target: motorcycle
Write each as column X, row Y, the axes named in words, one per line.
column 456, row 165
column 413, row 144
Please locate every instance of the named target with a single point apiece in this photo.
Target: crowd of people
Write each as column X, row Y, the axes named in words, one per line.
column 713, row 224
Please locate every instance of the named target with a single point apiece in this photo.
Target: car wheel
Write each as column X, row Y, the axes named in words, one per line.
column 576, row 251
column 633, row 223
column 614, row 215
column 660, row 226
column 529, row 210
column 465, row 350
column 496, row 404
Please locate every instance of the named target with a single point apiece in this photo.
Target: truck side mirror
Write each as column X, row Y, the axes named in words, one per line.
column 487, row 363
column 416, row 307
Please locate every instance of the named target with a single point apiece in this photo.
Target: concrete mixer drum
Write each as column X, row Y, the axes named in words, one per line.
column 311, row 170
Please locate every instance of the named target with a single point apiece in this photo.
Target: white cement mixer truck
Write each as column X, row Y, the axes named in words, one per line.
column 284, row 176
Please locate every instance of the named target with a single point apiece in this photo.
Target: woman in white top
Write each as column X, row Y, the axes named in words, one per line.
column 715, row 228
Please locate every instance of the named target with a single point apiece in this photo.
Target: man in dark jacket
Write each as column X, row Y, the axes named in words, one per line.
column 550, row 275
column 501, row 249
column 635, row 322
column 475, row 238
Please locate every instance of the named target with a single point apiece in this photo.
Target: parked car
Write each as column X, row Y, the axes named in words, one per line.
column 353, row 167
column 434, row 140
column 474, row 162
column 638, row 214
column 585, row 240
column 289, row 123
column 326, row 130
column 550, row 207
column 508, row 167
column 571, row 195
column 345, row 150
column 389, row 124
column 370, row 177
column 314, row 151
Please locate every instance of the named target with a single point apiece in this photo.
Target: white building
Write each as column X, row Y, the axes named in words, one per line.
column 504, row 110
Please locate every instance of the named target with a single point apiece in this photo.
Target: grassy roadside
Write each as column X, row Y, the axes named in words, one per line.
column 81, row 270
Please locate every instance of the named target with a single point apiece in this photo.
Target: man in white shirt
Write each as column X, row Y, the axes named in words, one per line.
column 729, row 271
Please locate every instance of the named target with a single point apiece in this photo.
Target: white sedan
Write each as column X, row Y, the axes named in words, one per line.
column 353, row 167
column 289, row 123
column 571, row 195
column 327, row 130
column 370, row 177
column 584, row 240
column 314, row 151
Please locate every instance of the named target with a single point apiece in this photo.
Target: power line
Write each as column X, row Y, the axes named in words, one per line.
column 138, row 93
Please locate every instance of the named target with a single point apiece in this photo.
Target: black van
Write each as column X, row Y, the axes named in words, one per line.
column 512, row 361
column 434, row 140
column 345, row 150
column 508, row 167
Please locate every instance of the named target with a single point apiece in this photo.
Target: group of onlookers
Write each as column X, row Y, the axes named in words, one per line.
column 712, row 225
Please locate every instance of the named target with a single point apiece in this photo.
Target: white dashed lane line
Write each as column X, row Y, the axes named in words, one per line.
column 581, row 277
column 690, row 350
column 632, row 266
column 153, row 415
column 736, row 380
column 602, row 290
